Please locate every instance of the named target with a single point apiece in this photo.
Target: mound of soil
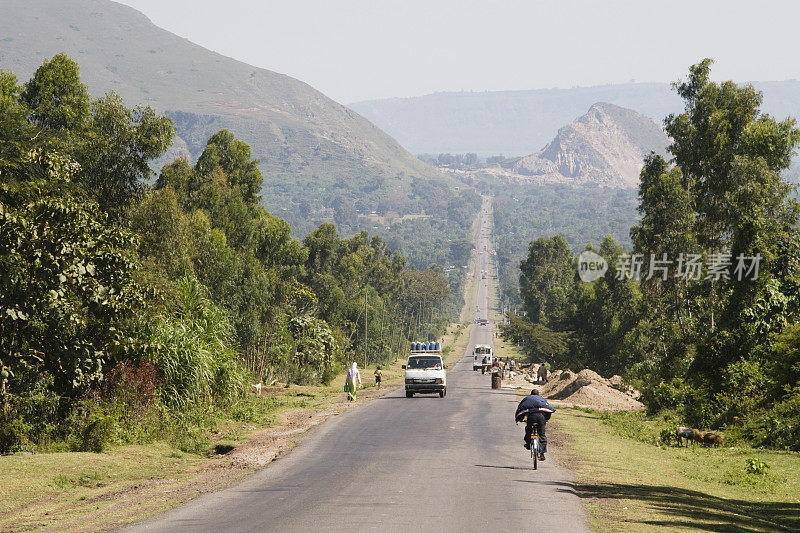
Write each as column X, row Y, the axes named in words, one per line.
column 556, row 382
column 587, row 388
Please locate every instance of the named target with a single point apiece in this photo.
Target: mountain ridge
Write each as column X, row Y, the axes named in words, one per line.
column 517, row 122
column 302, row 137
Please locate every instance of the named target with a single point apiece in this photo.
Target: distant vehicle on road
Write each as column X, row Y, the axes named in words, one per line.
column 479, row 352
column 425, row 373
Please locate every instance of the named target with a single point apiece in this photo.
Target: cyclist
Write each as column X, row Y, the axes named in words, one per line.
column 538, row 411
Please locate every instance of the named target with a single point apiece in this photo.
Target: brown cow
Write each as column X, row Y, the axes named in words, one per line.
column 712, row 439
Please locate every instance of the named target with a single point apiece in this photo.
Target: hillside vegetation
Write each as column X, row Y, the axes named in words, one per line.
column 702, row 316
column 133, row 310
column 314, row 153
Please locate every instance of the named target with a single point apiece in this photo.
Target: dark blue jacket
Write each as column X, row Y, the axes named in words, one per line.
column 532, row 404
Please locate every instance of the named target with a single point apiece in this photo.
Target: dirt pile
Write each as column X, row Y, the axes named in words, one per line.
column 587, row 388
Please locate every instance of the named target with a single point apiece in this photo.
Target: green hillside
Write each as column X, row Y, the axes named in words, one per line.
column 310, row 146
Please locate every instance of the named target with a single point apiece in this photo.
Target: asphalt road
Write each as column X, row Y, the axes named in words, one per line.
column 399, row 464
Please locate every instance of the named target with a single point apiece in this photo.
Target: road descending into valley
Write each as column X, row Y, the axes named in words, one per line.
column 398, row 464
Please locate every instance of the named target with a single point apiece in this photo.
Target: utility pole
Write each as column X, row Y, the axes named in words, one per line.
column 366, row 332
column 383, row 312
column 420, row 317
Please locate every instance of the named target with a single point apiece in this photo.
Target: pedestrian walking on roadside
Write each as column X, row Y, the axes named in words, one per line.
column 378, row 377
column 352, row 382
column 541, row 374
column 483, row 365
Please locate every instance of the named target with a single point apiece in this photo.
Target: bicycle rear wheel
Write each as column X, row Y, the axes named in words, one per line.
column 535, row 451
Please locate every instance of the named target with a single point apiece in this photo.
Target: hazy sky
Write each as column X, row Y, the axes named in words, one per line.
column 354, row 50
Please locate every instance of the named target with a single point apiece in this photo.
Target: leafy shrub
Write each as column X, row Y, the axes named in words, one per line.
column 744, row 389
column 12, row 434
column 35, row 417
column 779, row 427
column 700, row 410
column 756, row 466
column 664, row 395
column 98, row 432
column 191, row 439
column 667, row 437
column 91, row 426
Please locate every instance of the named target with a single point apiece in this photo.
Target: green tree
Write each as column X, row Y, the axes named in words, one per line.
column 232, row 155
column 15, row 130
column 547, row 280
column 57, row 98
column 68, row 290
column 730, row 156
column 540, row 343
column 115, row 154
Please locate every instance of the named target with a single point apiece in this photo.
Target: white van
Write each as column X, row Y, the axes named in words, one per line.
column 481, row 351
column 425, row 374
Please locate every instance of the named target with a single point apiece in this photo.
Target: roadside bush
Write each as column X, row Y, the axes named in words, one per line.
column 191, row 351
column 34, row 418
column 744, row 390
column 98, row 433
column 667, row 437
column 664, row 395
column 700, row 410
column 192, row 440
column 781, row 424
column 756, row 466
column 12, row 434
column 133, row 385
column 91, row 426
column 777, row 427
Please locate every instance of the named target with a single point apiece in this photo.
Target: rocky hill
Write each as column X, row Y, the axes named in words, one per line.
column 605, row 146
column 310, row 147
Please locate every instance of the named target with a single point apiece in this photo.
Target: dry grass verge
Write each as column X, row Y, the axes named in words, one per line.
column 631, row 485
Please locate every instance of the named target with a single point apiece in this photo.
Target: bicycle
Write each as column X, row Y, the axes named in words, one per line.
column 535, row 448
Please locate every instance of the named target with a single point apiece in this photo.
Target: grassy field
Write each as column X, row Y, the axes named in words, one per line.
column 629, row 481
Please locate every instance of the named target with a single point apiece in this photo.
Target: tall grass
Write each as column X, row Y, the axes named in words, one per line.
column 191, row 350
